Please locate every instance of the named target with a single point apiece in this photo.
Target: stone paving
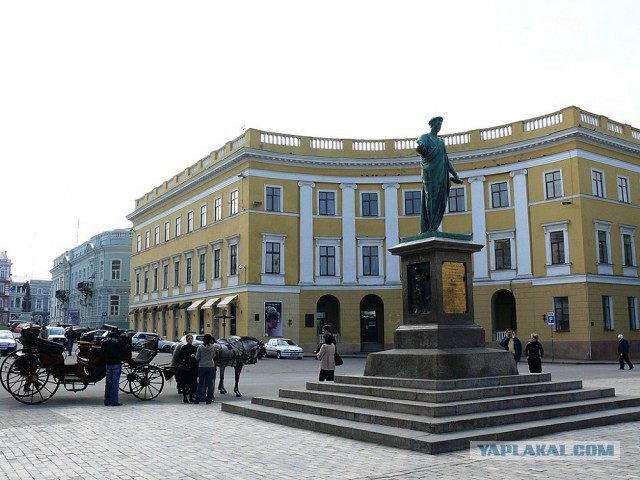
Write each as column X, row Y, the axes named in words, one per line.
column 77, row 438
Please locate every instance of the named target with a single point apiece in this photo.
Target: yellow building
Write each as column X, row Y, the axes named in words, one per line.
column 298, row 229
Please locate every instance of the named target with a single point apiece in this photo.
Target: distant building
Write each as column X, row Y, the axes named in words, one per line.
column 5, row 287
column 40, row 290
column 91, row 282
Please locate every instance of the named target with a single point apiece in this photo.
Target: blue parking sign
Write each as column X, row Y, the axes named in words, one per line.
column 551, row 318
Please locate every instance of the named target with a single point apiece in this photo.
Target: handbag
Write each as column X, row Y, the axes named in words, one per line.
column 184, row 368
column 337, row 358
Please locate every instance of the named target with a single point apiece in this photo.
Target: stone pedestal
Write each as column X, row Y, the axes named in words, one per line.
column 438, row 339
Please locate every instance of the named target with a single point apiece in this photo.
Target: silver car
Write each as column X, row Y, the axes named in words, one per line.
column 284, row 348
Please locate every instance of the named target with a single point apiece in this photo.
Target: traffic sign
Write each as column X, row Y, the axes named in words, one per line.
column 551, row 318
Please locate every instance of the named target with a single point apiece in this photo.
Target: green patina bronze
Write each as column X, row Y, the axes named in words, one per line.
column 436, row 182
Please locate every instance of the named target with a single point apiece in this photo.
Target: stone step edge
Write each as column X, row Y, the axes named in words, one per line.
column 445, row 384
column 447, row 424
column 426, row 442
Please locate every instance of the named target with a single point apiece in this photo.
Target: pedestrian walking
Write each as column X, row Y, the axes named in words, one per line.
column 512, row 343
column 69, row 336
column 623, row 352
column 205, row 356
column 534, row 353
column 114, row 349
column 326, row 355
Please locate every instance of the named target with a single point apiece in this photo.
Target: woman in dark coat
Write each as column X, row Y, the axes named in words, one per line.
column 534, row 353
column 188, row 370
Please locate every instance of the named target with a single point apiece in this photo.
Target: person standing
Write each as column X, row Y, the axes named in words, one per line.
column 623, row 352
column 326, row 355
column 113, row 351
column 70, row 336
column 326, row 332
column 436, row 182
column 188, row 370
column 205, row 356
column 534, row 353
column 512, row 343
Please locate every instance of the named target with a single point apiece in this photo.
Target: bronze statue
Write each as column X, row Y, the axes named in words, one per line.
column 436, row 183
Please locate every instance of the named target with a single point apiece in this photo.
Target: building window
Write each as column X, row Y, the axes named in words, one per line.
column 165, row 276
column 217, row 209
column 370, row 261
column 272, row 257
column 156, row 235
column 553, row 184
column 188, row 271
column 176, row 273
column 561, row 309
column 202, row 267
column 327, row 261
column 412, row 202
column 627, row 250
column 456, row 200
column 101, row 273
column 369, row 204
column 145, row 288
column 607, row 312
column 190, row 221
column 326, row 203
column 139, row 243
column 114, row 305
column 154, row 284
column 233, row 203
column 499, row 195
column 597, row 183
column 203, row 215
column 623, row 190
column 557, row 247
column 147, row 241
column 167, row 231
column 233, row 259
column 115, row 269
column 178, row 226
column 137, row 285
column 632, row 307
column 502, row 250
column 603, row 249
column 216, row 263
column 273, row 195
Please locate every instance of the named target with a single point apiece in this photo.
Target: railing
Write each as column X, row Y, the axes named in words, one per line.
column 498, row 132
column 590, row 119
column 327, row 144
column 542, row 122
column 368, row 145
column 277, row 139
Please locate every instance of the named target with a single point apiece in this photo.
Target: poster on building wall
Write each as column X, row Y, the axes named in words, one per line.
column 74, row 317
column 272, row 319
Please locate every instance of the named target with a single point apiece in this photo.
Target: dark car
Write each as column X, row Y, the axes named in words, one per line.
column 92, row 335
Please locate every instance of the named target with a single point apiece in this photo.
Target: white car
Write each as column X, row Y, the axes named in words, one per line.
column 197, row 340
column 7, row 342
column 283, row 348
column 140, row 337
column 165, row 345
column 56, row 334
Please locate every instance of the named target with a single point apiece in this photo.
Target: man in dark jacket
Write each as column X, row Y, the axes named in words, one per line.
column 512, row 343
column 623, row 352
column 114, row 350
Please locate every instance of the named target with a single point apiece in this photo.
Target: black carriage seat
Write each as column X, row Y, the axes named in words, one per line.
column 144, row 357
column 30, row 339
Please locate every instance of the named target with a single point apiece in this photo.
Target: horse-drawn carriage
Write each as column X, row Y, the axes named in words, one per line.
column 34, row 373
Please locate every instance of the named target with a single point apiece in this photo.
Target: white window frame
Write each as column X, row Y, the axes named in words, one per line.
column 216, row 282
column 217, row 209
column 202, row 283
column 620, row 190
column 138, row 243
column 544, row 183
column 404, row 201
column 362, row 193
column 167, row 231
column 136, row 283
column 371, row 242
column 491, row 184
column 203, row 215
column 328, row 279
column 335, row 203
column 613, row 325
column 502, row 235
column 557, row 269
column 165, row 280
column 114, row 309
column 178, row 224
column 280, row 207
column 176, row 279
column 156, row 235
column 234, row 202
column 593, row 183
column 636, row 322
column 118, row 270
column 464, row 199
column 604, row 268
column 629, row 270
column 190, row 221
column 147, row 240
column 273, row 278
column 232, row 279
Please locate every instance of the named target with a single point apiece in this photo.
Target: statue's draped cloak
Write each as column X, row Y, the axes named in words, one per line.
column 435, row 181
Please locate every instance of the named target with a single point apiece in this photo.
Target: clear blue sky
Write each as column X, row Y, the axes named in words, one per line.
column 102, row 101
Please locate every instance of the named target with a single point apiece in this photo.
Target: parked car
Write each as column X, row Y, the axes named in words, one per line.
column 283, row 348
column 93, row 335
column 7, row 342
column 55, row 334
column 197, row 340
column 165, row 345
column 140, row 337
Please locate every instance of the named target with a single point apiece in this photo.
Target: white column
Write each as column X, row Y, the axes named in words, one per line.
column 349, row 250
column 306, row 232
column 479, row 225
column 523, row 230
column 391, row 231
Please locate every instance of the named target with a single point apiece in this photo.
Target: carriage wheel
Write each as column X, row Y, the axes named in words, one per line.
column 126, row 378
column 29, row 382
column 4, row 367
column 147, row 383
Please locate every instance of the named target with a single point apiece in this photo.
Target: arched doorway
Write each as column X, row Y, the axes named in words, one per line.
column 371, row 323
column 504, row 313
column 328, row 313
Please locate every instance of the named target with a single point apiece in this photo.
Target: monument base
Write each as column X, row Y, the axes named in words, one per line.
column 441, row 364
